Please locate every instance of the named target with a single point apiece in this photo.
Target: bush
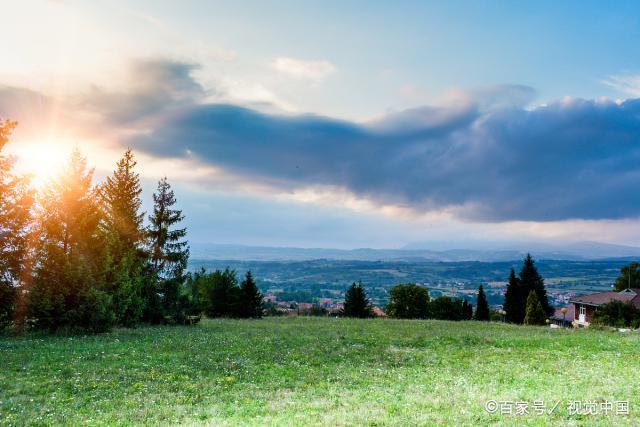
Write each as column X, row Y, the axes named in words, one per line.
column 617, row 313
column 271, row 309
column 314, row 311
column 177, row 304
column 220, row 296
column 7, row 304
column 94, row 314
column 447, row 308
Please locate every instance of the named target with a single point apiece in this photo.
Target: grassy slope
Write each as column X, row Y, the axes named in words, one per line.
column 314, row 371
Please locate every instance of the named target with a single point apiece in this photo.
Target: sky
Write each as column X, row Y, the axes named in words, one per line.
column 342, row 124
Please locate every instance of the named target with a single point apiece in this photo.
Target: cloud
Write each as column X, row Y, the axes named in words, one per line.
column 484, row 160
column 311, row 70
column 481, row 155
column 157, row 86
column 628, row 84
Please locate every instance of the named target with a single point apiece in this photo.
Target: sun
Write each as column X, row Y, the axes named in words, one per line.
column 42, row 160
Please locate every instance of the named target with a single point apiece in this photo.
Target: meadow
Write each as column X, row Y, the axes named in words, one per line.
column 317, row 371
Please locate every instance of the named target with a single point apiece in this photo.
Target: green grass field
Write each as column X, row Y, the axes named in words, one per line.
column 312, row 371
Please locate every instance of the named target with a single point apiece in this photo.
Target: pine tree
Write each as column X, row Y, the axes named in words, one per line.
column 68, row 285
column 250, row 304
column 535, row 313
column 513, row 300
column 70, row 213
column 467, row 310
column 482, row 306
column 530, row 280
column 221, row 294
column 169, row 254
column 124, row 234
column 356, row 303
column 120, row 194
column 16, row 200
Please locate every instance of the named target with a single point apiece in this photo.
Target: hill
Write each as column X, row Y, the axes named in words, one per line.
column 485, row 251
column 316, row 371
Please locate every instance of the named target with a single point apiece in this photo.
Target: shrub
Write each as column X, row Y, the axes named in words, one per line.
column 7, row 303
column 617, row 313
column 447, row 308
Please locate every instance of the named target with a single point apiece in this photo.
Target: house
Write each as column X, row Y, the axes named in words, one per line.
column 586, row 305
column 378, row 311
column 270, row 297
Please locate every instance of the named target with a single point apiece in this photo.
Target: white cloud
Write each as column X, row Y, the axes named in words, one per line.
column 628, row 84
column 312, row 70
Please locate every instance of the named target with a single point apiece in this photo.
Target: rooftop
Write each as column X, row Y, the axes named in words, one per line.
column 599, row 298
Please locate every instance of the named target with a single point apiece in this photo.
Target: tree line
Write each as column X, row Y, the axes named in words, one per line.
column 526, row 301
column 79, row 256
column 411, row 301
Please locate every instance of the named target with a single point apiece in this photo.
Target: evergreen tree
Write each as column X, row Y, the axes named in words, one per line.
column 169, row 254
column 356, row 303
column 482, row 306
column 535, row 314
column 513, row 300
column 629, row 277
column 120, row 194
column 68, row 285
column 124, row 234
column 408, row 301
column 176, row 302
column 250, row 304
column 194, row 287
column 467, row 310
column 151, row 293
column 16, row 199
column 220, row 294
column 530, row 280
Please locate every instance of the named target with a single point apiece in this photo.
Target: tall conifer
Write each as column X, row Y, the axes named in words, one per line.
column 513, row 302
column 356, row 303
column 250, row 304
column 16, row 200
column 68, row 286
column 530, row 280
column 124, row 234
column 482, row 306
column 169, row 253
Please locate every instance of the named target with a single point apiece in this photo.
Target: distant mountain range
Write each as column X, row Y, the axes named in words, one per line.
column 427, row 251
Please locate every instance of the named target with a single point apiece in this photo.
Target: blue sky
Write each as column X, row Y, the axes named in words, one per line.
column 343, row 124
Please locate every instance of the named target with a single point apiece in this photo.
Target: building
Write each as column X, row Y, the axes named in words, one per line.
column 585, row 306
column 564, row 319
column 270, row 297
column 378, row 311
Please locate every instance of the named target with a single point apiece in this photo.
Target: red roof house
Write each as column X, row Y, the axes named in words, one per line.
column 586, row 305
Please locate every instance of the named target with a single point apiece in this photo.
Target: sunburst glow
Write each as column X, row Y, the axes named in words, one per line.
column 43, row 160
